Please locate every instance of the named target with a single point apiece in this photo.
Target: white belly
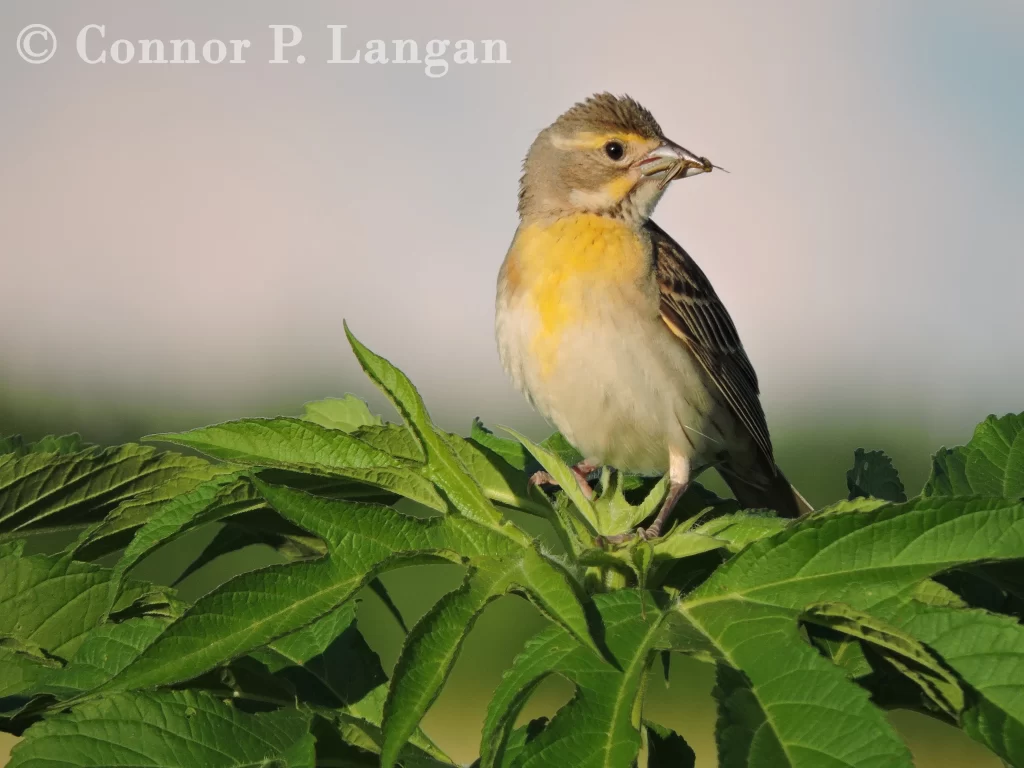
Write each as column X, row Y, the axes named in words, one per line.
column 620, row 386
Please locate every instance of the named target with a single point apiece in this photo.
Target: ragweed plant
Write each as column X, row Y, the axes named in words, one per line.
column 815, row 626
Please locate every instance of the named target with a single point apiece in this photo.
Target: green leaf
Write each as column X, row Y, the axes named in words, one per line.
column 327, row 663
column 613, row 509
column 17, row 446
column 744, row 734
column 874, row 476
column 347, row 413
column 614, row 506
column 362, row 540
column 434, row 643
column 510, row 451
column 256, row 608
column 430, row 653
column 360, row 726
column 986, row 651
column 11, row 446
column 104, row 652
column 858, row 558
column 996, row 587
column 642, row 555
column 949, row 474
column 167, row 730
column 850, row 505
column 684, row 554
column 370, row 711
column 517, row 742
column 907, row 654
column 215, row 499
column 739, row 529
column 667, row 749
column 732, row 532
column 258, row 526
column 500, row 482
column 395, row 439
column 861, row 558
column 48, row 491
column 261, row 525
column 282, row 442
column 54, row 602
column 351, row 741
column 557, row 444
column 117, row 529
column 301, row 446
column 443, row 465
column 682, row 543
column 991, row 464
column 59, row 444
column 995, row 466
column 802, row 709
column 22, row 666
column 586, row 523
column 600, row 725
column 313, row 641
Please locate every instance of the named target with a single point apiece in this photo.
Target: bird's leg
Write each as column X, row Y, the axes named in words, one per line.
column 678, row 480
column 581, row 471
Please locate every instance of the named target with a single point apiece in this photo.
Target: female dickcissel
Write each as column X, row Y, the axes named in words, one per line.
column 609, row 327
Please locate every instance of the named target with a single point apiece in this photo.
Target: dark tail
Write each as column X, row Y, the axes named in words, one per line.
column 760, row 490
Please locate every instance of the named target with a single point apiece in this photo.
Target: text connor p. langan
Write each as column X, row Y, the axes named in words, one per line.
column 285, row 44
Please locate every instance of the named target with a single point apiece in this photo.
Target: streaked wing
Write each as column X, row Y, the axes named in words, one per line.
column 694, row 313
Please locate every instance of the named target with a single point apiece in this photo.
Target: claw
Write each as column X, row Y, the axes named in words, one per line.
column 618, row 538
column 621, row 538
column 647, row 534
column 678, row 480
column 541, row 478
column 581, row 478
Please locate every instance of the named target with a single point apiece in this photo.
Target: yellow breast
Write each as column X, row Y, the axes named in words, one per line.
column 562, row 267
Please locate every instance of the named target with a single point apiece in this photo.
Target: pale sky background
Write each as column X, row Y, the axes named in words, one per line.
column 189, row 238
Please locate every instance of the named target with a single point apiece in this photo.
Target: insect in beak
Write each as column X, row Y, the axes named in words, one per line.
column 674, row 162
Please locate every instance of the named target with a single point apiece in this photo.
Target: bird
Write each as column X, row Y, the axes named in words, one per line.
column 612, row 331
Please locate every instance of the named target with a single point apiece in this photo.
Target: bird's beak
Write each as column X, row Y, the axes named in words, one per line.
column 674, row 162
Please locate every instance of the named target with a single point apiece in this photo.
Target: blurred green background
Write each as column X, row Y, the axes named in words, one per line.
column 180, row 244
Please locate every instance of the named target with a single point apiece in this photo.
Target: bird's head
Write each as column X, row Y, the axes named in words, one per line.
column 605, row 155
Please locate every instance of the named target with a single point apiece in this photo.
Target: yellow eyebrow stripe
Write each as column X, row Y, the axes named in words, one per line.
column 591, row 140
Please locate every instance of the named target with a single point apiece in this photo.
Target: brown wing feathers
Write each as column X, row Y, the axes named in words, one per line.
column 693, row 311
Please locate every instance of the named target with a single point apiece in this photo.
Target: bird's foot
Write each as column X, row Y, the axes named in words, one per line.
column 581, row 471
column 651, row 532
column 675, row 491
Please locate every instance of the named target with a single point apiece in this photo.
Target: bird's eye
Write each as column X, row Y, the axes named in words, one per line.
column 614, row 150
